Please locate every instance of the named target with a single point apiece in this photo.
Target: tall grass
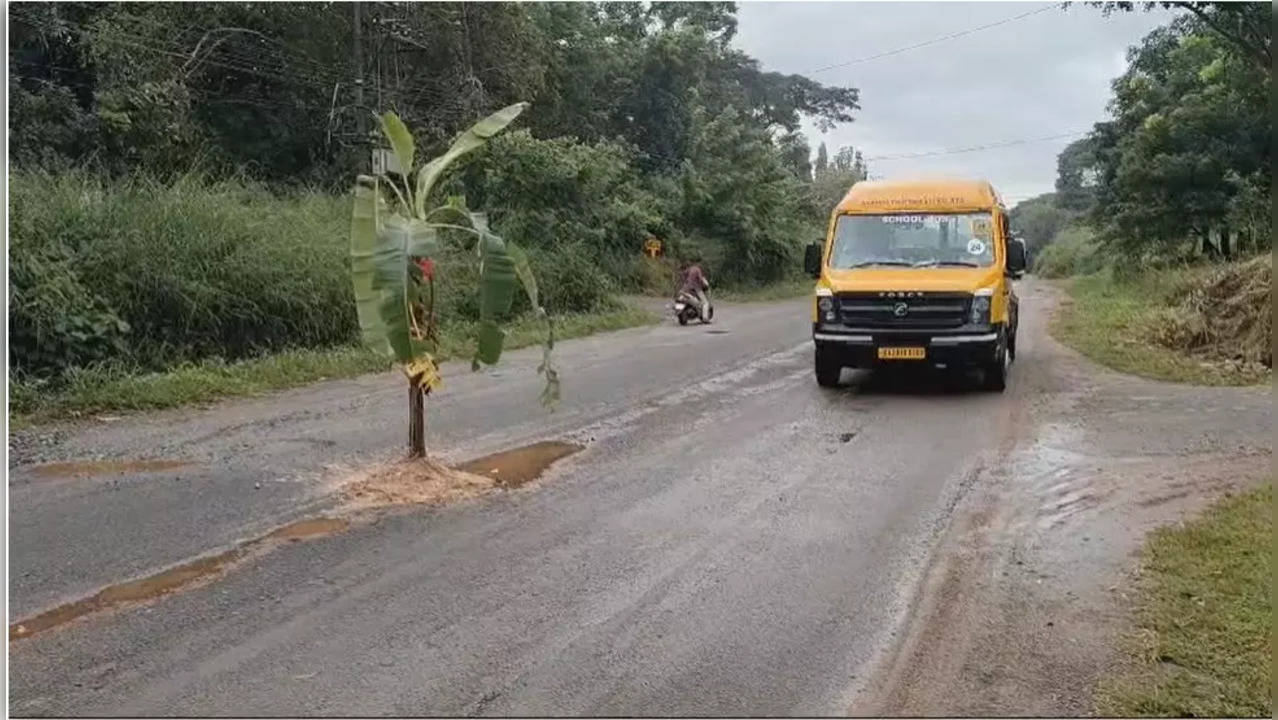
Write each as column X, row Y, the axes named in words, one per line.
column 194, row 268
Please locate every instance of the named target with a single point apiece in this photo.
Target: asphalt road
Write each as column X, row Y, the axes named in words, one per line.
column 732, row 541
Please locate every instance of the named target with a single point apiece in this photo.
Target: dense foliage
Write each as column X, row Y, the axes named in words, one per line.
column 1182, row 168
column 181, row 169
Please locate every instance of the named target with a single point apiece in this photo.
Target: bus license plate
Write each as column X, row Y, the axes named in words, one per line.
column 902, row 353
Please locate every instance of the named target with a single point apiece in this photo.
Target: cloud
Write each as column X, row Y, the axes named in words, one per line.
column 1045, row 74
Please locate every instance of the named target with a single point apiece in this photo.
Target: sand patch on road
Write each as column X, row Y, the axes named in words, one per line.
column 423, row 481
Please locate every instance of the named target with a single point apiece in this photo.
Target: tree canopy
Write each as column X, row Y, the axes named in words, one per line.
column 269, row 89
column 1182, row 164
column 643, row 119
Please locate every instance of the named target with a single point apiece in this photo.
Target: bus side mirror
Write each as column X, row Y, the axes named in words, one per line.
column 812, row 260
column 1015, row 257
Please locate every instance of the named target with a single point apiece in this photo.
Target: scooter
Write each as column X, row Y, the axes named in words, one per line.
column 686, row 308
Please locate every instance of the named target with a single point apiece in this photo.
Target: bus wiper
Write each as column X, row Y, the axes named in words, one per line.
column 959, row 263
column 868, row 263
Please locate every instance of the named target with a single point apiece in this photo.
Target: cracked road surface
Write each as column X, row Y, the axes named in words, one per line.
column 733, row 540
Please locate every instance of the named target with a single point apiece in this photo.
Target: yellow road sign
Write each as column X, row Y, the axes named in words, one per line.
column 652, row 247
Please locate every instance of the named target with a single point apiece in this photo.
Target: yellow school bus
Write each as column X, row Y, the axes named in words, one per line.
column 916, row 272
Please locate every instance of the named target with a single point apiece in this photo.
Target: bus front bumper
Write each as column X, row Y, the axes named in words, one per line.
column 974, row 347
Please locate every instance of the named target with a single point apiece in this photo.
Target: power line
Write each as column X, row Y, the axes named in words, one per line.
column 976, row 148
column 933, row 41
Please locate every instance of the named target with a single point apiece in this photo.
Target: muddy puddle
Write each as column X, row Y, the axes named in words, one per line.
column 146, row 588
column 172, row 580
column 512, row 468
column 95, row 468
column 304, row 529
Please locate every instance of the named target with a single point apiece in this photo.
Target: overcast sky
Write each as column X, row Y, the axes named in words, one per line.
column 1043, row 75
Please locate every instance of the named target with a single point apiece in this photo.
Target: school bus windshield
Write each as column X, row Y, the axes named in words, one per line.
column 913, row 240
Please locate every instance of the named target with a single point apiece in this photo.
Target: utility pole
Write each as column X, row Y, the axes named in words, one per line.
column 361, row 112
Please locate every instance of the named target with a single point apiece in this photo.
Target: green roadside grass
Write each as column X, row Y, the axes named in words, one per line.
column 784, row 290
column 1203, row 645
column 99, row 390
column 1110, row 322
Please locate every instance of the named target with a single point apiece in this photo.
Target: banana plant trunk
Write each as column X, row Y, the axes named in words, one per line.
column 416, row 421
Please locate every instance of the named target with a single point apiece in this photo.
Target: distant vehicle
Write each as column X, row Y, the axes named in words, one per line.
column 916, row 272
column 688, row 308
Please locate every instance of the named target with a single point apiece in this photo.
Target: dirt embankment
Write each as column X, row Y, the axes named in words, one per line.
column 1222, row 314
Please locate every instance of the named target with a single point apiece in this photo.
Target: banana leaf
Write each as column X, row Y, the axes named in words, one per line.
column 364, row 247
column 472, row 139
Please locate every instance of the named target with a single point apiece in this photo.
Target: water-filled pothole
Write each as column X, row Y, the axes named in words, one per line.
column 171, row 580
column 146, row 588
column 512, row 468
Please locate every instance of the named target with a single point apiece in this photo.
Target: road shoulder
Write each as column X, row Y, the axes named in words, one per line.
column 1034, row 581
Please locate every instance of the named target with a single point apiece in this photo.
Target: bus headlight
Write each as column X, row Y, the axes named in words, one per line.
column 826, row 307
column 980, row 310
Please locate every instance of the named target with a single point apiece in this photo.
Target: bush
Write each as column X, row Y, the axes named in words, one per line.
column 55, row 322
column 571, row 282
column 1072, row 252
column 560, row 194
column 655, row 276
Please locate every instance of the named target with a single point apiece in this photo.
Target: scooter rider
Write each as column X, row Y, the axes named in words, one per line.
column 693, row 282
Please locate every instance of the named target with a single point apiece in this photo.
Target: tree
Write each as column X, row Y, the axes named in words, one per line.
column 1038, row 220
column 395, row 244
column 822, row 161
column 1191, row 120
column 1245, row 25
column 716, row 20
column 739, row 197
column 1076, row 176
column 796, row 154
column 829, row 187
column 848, row 160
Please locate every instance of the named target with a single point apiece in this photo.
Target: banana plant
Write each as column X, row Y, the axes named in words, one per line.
column 398, row 230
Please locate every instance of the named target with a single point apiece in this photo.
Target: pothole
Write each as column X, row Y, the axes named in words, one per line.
column 513, row 468
column 172, row 580
column 147, row 588
column 91, row 468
